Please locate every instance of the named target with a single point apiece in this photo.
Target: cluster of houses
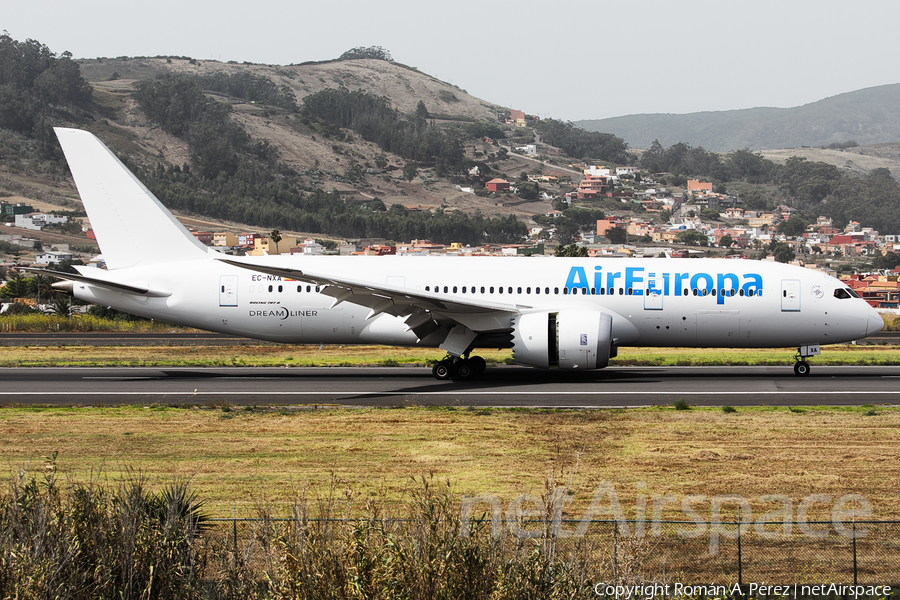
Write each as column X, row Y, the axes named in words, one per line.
column 661, row 218
column 25, row 217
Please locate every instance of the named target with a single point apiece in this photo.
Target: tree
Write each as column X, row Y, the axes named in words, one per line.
column 710, row 214
column 726, row 241
column 275, row 236
column 376, row 52
column 793, row 227
column 782, row 252
column 410, row 171
column 692, row 237
column 566, row 229
column 888, row 261
column 617, row 235
column 62, row 306
column 571, row 251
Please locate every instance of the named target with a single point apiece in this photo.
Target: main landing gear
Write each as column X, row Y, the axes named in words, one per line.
column 801, row 367
column 459, row 367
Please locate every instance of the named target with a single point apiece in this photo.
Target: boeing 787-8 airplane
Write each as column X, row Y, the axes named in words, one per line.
column 569, row 314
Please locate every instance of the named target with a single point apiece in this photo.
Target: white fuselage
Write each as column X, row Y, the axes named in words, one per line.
column 653, row 302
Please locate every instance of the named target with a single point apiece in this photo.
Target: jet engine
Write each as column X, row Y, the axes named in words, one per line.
column 568, row 339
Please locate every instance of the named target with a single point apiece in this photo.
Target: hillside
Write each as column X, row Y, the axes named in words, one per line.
column 289, row 156
column 404, row 86
column 867, row 116
column 856, row 161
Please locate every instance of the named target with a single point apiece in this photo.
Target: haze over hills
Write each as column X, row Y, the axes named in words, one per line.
column 867, row 116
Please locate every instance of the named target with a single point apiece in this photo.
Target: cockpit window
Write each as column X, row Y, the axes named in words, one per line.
column 842, row 293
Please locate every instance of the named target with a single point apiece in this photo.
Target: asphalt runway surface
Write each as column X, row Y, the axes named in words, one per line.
column 414, row 386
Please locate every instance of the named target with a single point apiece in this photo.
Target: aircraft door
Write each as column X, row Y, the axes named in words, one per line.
column 653, row 295
column 790, row 295
column 228, row 290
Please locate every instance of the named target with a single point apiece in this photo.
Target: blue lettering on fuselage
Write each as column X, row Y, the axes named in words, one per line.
column 724, row 285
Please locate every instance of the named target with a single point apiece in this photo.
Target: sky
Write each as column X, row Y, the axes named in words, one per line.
column 568, row 60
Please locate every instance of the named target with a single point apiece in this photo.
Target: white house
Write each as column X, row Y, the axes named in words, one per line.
column 52, row 257
column 37, row 221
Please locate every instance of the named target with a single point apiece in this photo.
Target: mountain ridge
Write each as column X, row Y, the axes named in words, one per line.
column 866, row 116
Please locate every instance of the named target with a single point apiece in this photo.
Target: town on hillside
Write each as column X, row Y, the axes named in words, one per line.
column 655, row 221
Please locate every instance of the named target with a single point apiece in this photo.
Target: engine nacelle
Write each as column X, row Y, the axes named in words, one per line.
column 568, row 339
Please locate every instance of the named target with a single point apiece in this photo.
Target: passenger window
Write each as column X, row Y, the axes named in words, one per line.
column 555, row 290
column 621, row 291
column 492, row 289
column 454, row 289
column 270, row 288
column 500, row 290
column 584, row 291
column 546, row 290
column 528, row 290
column 280, row 289
column 565, row 291
column 464, row 289
column 696, row 291
column 445, row 289
column 509, row 290
column 426, row 288
column 518, row 290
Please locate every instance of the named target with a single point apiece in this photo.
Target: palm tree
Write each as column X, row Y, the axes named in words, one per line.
column 275, row 236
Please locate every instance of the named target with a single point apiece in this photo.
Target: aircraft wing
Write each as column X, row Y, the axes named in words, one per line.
column 416, row 305
column 98, row 282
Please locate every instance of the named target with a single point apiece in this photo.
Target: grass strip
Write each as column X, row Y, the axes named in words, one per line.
column 316, row 356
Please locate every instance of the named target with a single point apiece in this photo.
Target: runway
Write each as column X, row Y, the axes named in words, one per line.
column 408, row 386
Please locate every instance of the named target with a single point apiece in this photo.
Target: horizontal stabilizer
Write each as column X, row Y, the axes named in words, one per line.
column 119, row 287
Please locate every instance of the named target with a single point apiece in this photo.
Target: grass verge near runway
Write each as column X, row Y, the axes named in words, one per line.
column 241, row 459
column 312, row 356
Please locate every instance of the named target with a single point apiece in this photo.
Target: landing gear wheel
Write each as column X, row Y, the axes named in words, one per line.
column 801, row 368
column 463, row 369
column 441, row 370
column 478, row 365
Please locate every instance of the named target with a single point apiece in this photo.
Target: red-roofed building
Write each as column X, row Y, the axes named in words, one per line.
column 497, row 185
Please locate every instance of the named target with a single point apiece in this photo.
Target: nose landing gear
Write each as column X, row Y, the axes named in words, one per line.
column 459, row 367
column 801, row 367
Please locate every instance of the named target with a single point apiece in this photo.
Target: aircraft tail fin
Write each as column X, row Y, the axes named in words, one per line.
column 132, row 226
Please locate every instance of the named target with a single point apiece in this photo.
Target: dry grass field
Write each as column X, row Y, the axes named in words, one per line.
column 241, row 460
